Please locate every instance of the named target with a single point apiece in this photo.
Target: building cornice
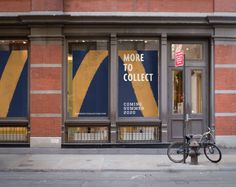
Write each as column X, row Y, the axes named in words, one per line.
column 160, row 18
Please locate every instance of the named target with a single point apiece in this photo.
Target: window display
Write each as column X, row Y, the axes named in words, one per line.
column 13, row 78
column 138, row 78
column 88, row 79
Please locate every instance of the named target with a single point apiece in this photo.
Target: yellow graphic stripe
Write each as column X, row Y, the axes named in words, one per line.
column 142, row 89
column 10, row 78
column 84, row 77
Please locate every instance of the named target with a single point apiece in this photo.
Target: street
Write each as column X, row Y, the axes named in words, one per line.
column 118, row 178
column 111, row 168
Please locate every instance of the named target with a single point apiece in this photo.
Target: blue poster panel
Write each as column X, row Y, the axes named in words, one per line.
column 89, row 83
column 138, row 83
column 13, row 83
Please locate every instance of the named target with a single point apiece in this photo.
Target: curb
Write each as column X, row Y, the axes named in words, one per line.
column 122, row 170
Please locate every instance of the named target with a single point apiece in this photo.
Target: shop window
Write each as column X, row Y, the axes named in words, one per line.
column 13, row 78
column 191, row 51
column 177, row 92
column 196, row 91
column 87, row 66
column 138, row 78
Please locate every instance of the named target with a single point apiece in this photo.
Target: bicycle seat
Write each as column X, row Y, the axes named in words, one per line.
column 189, row 136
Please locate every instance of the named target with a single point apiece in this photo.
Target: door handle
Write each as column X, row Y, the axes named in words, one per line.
column 187, row 118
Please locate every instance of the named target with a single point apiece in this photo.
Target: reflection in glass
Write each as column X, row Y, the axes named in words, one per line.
column 196, row 91
column 9, row 45
column 191, row 51
column 127, row 44
column 177, row 92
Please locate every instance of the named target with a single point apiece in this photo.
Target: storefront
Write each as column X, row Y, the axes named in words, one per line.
column 74, row 79
column 131, row 87
column 125, row 76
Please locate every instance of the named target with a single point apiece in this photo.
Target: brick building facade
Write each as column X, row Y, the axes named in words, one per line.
column 56, row 33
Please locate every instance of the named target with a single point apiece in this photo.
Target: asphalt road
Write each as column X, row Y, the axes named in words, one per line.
column 118, row 178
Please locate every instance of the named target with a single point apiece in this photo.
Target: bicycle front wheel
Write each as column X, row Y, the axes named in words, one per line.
column 212, row 152
column 175, row 152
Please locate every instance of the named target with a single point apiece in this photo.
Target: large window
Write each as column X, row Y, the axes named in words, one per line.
column 88, row 62
column 13, row 78
column 138, row 78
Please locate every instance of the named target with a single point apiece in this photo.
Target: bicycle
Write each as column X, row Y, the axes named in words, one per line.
column 206, row 141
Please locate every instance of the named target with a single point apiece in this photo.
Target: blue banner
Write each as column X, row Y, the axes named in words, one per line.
column 13, row 83
column 90, row 83
column 138, row 83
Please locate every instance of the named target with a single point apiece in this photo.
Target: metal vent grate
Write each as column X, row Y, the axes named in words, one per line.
column 87, row 134
column 132, row 134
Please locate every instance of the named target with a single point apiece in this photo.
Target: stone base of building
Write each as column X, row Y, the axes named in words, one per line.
column 226, row 141
column 45, row 142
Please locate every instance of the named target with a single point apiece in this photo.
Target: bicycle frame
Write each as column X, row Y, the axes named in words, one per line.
column 205, row 138
column 206, row 142
column 208, row 136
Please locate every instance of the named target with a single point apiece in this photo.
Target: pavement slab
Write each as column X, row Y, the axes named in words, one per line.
column 138, row 161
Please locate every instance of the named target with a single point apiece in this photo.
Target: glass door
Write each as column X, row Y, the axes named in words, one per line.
column 196, row 91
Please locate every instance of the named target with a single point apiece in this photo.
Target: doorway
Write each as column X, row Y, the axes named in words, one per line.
column 196, row 82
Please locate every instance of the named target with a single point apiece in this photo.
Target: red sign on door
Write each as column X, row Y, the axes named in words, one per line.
column 179, row 59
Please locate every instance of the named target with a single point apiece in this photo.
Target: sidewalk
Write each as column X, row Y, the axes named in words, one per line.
column 41, row 159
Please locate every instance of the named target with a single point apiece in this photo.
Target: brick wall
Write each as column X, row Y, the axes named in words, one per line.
column 30, row 5
column 15, row 5
column 118, row 5
column 46, row 127
column 138, row 5
column 225, row 98
column 45, row 89
column 47, row 5
column 225, row 6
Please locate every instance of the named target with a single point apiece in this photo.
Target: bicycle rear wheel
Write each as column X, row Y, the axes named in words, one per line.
column 212, row 152
column 175, row 152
